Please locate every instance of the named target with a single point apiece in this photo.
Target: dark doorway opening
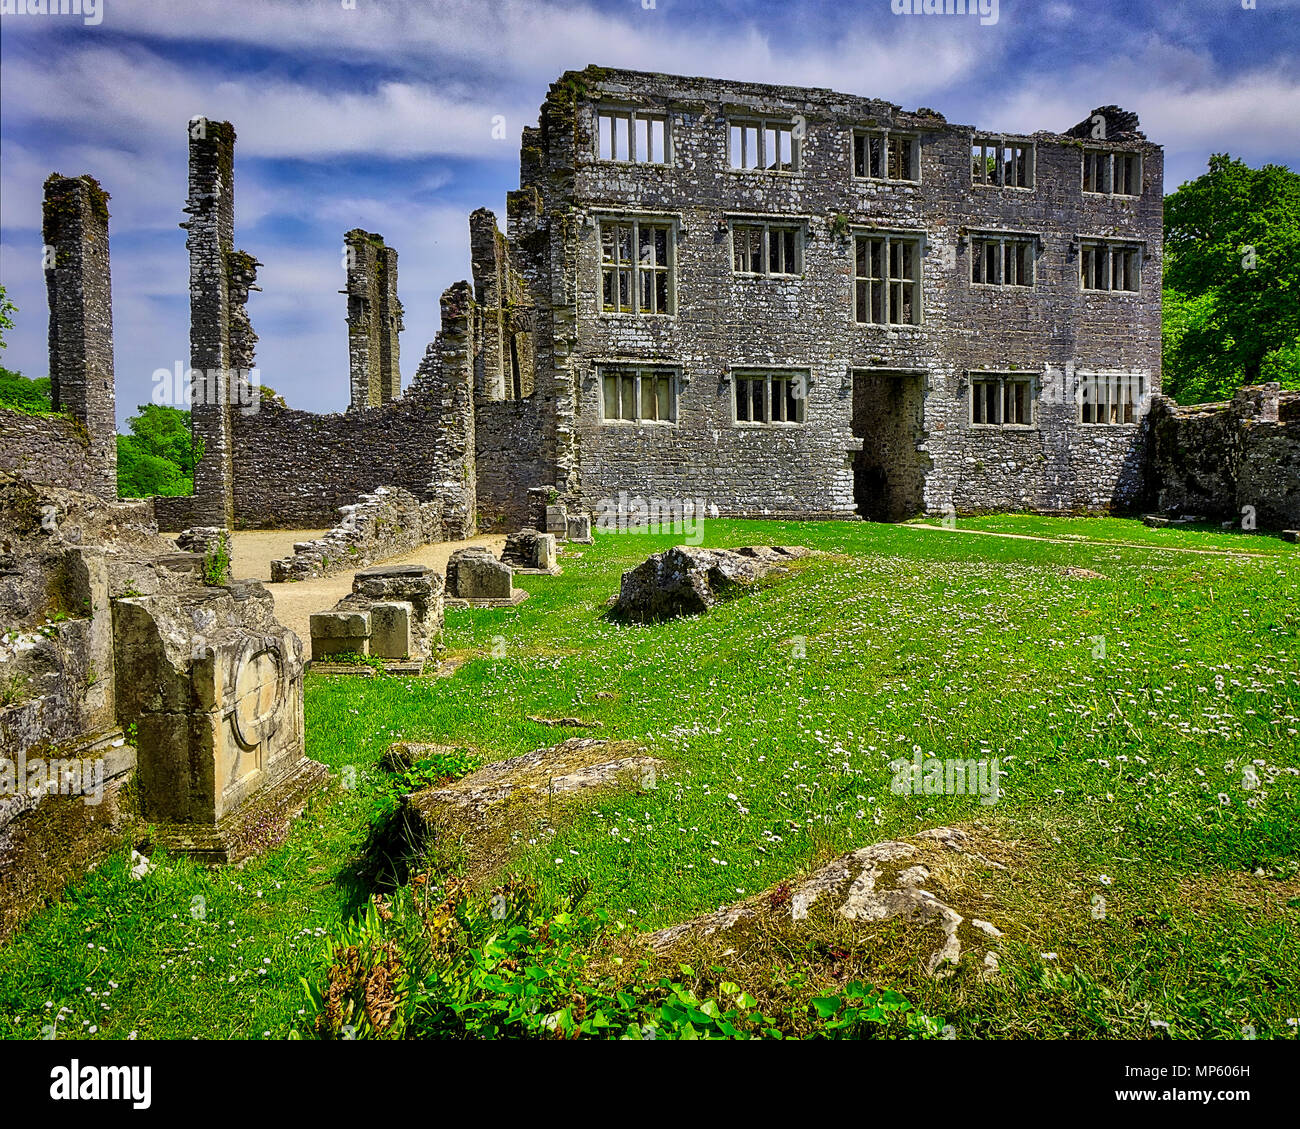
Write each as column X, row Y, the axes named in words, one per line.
column 889, row 471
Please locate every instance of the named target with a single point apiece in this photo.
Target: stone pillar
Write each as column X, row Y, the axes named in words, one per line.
column 211, row 228
column 374, row 320
column 448, row 367
column 77, row 282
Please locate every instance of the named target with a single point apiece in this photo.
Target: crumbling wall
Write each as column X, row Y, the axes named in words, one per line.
column 379, row 525
column 1214, row 460
column 374, row 320
column 79, row 288
column 50, row 449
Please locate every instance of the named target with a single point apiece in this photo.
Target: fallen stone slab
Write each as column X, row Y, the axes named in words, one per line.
column 688, row 580
column 883, row 882
column 475, row 578
column 523, row 797
column 1291, row 535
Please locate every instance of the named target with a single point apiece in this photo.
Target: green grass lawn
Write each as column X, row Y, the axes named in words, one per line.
column 1124, row 709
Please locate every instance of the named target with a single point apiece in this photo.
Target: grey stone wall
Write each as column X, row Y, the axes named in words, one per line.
column 724, row 321
column 1214, row 460
column 52, row 450
column 79, row 288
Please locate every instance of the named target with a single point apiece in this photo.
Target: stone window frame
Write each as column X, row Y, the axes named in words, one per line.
column 635, row 370
column 1031, row 240
column 890, row 236
column 1002, row 380
column 768, row 224
column 670, row 221
column 1090, row 244
column 1131, row 399
column 989, row 143
column 1096, row 151
column 762, row 124
column 738, row 375
column 864, row 133
column 632, row 114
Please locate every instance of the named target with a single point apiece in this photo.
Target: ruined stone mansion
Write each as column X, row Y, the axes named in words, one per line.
column 786, row 302
column 782, row 302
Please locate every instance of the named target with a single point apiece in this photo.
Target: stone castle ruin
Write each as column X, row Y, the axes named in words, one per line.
column 754, row 300
column 788, row 302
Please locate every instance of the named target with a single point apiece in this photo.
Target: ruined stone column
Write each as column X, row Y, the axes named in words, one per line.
column 374, row 320
column 75, row 231
column 211, row 228
column 449, row 369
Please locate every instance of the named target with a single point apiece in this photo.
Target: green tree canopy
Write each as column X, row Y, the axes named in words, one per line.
column 158, row 456
column 1232, row 280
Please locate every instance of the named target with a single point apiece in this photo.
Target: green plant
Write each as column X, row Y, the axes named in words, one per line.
column 216, row 563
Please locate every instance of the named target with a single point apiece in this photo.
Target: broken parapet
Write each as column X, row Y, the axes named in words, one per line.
column 216, row 701
column 392, row 612
column 210, row 241
column 374, row 320
column 476, row 579
column 531, row 552
column 78, row 285
column 378, row 525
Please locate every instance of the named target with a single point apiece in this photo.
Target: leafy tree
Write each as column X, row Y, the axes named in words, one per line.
column 16, row 391
column 158, row 456
column 1232, row 280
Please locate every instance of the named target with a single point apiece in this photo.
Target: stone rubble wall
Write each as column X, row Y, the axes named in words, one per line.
column 1213, row 460
column 49, row 449
column 378, row 525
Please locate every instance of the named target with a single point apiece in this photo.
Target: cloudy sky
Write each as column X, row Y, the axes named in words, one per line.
column 379, row 114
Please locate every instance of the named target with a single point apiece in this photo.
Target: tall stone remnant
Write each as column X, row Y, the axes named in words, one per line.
column 75, row 231
column 374, row 320
column 221, row 335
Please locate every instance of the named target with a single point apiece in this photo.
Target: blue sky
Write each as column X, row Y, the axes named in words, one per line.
column 379, row 115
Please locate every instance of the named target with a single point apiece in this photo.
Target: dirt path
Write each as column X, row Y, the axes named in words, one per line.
column 253, row 550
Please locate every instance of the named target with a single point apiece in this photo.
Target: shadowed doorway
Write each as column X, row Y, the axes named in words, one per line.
column 889, row 471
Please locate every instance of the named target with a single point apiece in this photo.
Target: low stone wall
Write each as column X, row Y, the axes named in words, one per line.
column 173, row 514
column 1217, row 459
column 49, row 449
column 375, row 527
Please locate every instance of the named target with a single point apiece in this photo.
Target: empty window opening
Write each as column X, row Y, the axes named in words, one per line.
column 766, row 145
column 630, row 135
column 881, row 154
column 1000, row 400
column 1113, row 398
column 762, row 248
column 770, row 397
column 1110, row 266
column 1007, row 164
column 1111, row 173
column 639, row 394
column 1002, row 260
column 636, row 267
column 887, row 280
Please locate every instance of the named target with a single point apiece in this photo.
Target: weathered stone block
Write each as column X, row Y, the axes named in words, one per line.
column 557, row 521
column 416, row 585
column 336, row 633
column 390, row 630
column 579, row 529
column 475, row 574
